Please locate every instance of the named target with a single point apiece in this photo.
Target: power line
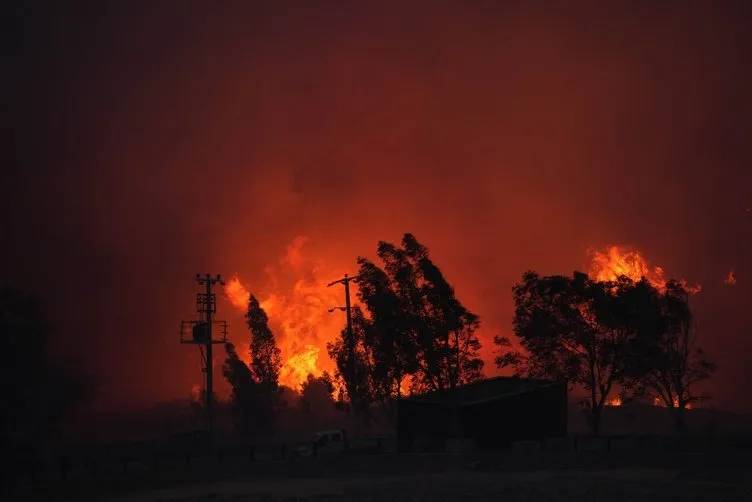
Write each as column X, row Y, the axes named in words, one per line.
column 350, row 341
column 199, row 332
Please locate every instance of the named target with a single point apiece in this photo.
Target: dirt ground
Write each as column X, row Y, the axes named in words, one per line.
column 599, row 470
column 558, row 485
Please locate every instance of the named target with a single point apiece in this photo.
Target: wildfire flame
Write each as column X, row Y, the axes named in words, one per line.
column 614, row 402
column 657, row 401
column 237, row 293
column 299, row 365
column 296, row 299
column 616, row 261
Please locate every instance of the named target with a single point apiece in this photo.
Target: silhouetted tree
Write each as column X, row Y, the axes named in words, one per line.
column 354, row 367
column 450, row 343
column 265, row 363
column 255, row 387
column 245, row 395
column 665, row 362
column 432, row 335
column 265, row 355
column 36, row 393
column 316, row 395
column 416, row 328
column 388, row 337
column 563, row 325
column 597, row 334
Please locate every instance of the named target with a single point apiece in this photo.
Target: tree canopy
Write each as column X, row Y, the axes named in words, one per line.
column 412, row 327
column 599, row 334
column 265, row 355
column 665, row 361
column 255, row 387
column 36, row 392
column 244, row 396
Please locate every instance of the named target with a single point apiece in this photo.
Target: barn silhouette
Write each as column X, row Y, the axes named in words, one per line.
column 490, row 413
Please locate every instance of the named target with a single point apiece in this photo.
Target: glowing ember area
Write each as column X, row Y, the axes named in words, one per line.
column 614, row 402
column 657, row 401
column 616, row 261
column 295, row 297
column 730, row 279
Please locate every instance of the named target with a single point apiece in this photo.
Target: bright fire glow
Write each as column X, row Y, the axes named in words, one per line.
column 730, row 278
column 614, row 402
column 299, row 365
column 657, row 401
column 616, row 261
column 296, row 299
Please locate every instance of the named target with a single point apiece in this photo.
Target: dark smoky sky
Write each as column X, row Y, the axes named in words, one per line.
column 148, row 141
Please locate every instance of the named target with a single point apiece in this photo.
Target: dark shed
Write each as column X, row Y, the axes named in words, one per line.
column 492, row 412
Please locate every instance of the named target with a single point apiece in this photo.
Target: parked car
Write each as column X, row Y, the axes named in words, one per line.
column 323, row 443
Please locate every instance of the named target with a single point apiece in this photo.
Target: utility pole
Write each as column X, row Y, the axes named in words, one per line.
column 350, row 342
column 199, row 332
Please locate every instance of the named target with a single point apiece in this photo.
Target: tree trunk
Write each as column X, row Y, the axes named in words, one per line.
column 679, row 419
column 595, row 411
column 595, row 420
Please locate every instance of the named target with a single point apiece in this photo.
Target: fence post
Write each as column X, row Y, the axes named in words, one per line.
column 64, row 467
column 92, row 465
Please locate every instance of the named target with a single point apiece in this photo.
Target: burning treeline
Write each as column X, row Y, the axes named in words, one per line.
column 623, row 327
column 300, row 356
column 615, row 261
column 296, row 299
column 411, row 333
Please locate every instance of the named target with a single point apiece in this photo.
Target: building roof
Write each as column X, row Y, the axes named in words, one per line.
column 483, row 390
